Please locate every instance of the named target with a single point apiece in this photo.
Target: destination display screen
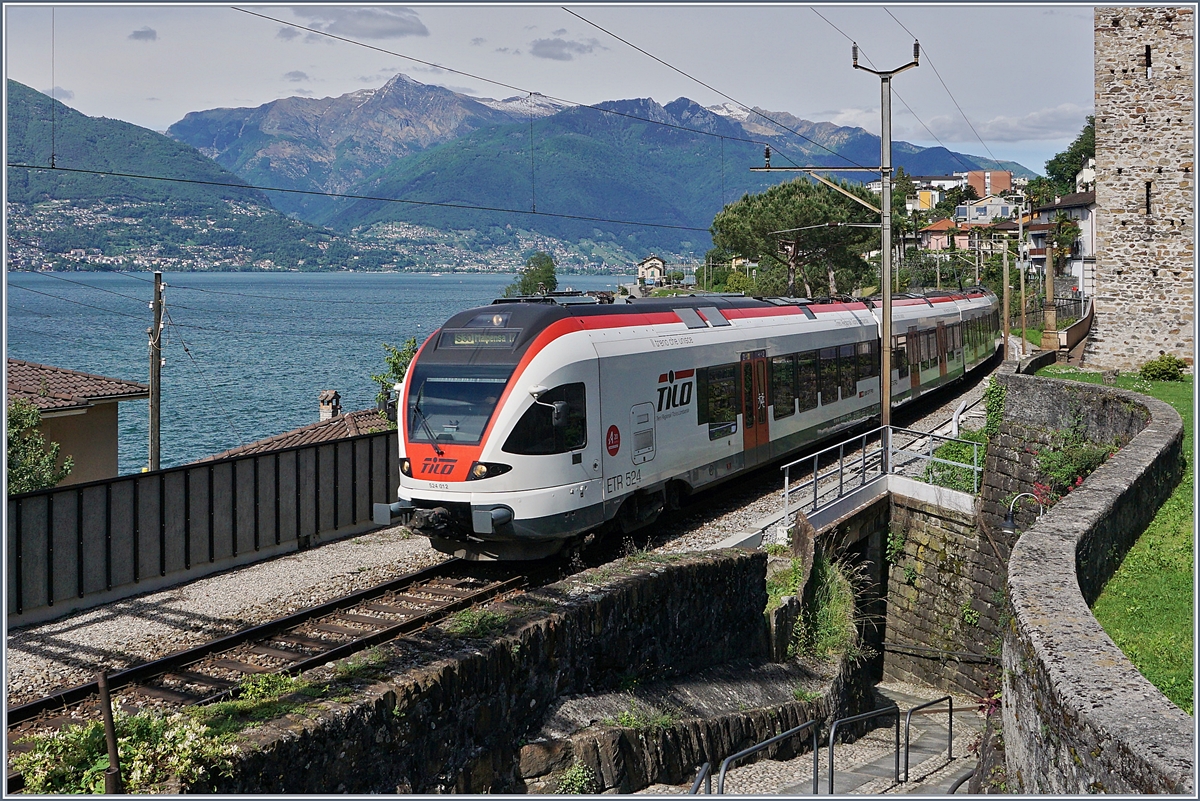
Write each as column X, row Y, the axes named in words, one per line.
column 478, row 338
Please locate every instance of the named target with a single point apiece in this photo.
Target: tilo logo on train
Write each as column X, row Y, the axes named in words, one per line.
column 672, row 395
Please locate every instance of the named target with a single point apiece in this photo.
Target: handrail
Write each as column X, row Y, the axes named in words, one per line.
column 887, row 458
column 705, row 775
column 950, row 737
column 777, row 738
column 887, row 710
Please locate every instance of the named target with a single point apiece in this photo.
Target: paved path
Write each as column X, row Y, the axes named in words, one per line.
column 868, row 766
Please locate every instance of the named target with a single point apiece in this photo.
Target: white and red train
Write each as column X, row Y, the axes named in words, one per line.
column 525, row 425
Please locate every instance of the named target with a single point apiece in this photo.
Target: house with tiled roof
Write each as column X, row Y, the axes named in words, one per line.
column 79, row 412
column 1081, row 262
column 332, row 427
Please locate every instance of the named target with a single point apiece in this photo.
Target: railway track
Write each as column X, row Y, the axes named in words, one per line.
column 290, row 645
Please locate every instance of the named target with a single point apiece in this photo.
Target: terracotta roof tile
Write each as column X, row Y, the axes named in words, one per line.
column 54, row 388
column 350, row 424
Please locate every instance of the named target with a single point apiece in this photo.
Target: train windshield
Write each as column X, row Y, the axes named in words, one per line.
column 453, row 402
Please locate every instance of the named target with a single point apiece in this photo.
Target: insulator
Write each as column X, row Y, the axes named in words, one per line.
column 854, row 52
column 916, row 51
column 767, row 155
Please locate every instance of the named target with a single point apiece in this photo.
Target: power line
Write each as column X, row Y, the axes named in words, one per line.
column 863, row 52
column 347, row 196
column 522, row 90
column 85, row 286
column 712, row 89
column 203, row 378
column 947, row 88
column 76, row 302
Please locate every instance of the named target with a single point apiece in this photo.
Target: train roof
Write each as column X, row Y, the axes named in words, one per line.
column 501, row 332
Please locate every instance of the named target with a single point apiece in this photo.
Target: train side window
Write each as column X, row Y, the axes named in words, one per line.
column 783, row 385
column 847, row 372
column 929, row 350
column 806, row 380
column 868, row 360
column 900, row 355
column 535, row 433
column 828, row 376
column 717, row 400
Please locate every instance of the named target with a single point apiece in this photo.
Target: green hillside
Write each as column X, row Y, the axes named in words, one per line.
column 181, row 225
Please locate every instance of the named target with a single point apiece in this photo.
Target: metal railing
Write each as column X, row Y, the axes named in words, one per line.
column 890, row 710
column 907, row 447
column 831, row 474
column 705, row 776
column 950, row 725
column 812, row 724
column 868, row 464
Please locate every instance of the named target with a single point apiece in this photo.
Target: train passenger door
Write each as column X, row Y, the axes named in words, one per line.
column 756, row 438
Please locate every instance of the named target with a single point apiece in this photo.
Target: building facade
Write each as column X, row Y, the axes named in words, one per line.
column 1145, row 148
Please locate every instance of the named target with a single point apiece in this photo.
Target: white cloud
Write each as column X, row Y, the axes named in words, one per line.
column 287, row 34
column 561, row 49
column 477, row 41
column 144, row 34
column 1057, row 122
column 58, row 93
column 296, row 76
column 559, row 32
column 364, row 22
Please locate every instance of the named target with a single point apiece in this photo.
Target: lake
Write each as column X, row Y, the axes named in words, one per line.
column 246, row 354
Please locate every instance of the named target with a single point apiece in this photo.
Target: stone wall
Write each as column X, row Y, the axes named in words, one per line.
column 1078, row 717
column 945, row 600
column 1145, row 136
column 444, row 714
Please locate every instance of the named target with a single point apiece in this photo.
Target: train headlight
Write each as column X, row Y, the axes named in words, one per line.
column 486, row 470
column 406, row 467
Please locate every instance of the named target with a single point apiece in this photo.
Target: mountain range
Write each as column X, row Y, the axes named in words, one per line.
column 630, row 176
column 635, row 160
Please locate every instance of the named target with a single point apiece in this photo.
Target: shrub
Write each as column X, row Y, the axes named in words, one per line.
column 785, row 582
column 476, row 622
column 577, row 780
column 152, row 750
column 1165, row 368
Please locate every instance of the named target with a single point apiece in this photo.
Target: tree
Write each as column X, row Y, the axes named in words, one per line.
column 31, row 466
column 1062, row 238
column 537, row 278
column 737, row 282
column 748, row 229
column 1061, row 169
column 955, row 197
column 396, row 361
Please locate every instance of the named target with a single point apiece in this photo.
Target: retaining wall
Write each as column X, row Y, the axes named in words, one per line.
column 1078, row 717
column 444, row 714
column 945, row 599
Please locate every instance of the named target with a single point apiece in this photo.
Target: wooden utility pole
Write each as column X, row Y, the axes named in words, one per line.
column 155, row 333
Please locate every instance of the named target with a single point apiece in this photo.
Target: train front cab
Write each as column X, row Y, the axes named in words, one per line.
column 500, row 453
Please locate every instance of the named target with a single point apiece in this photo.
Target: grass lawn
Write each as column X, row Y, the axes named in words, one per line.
column 1147, row 606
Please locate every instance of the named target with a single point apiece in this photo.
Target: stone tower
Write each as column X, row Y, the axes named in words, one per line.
column 1145, row 143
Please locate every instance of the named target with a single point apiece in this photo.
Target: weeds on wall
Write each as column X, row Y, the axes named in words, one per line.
column 784, row 583
column 577, row 780
column 828, row 622
column 993, row 402
column 1070, row 460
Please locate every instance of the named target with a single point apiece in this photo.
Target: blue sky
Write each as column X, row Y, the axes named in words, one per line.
column 1021, row 73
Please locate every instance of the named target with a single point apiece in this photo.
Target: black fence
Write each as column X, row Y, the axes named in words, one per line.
column 73, row 546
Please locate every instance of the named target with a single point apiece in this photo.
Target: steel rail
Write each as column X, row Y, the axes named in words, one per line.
column 148, row 670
